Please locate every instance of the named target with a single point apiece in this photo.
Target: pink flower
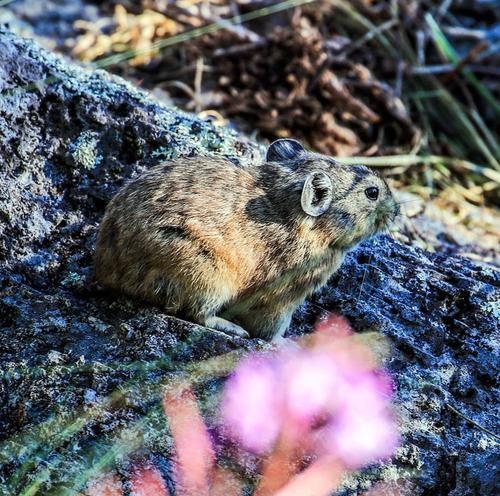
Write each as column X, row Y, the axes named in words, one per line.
column 359, row 438
column 252, row 404
column 294, row 389
column 311, row 383
column 368, row 391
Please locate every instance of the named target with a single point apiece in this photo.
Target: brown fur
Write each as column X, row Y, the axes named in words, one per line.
column 203, row 237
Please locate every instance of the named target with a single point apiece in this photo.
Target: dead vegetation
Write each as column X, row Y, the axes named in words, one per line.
column 414, row 82
column 292, row 84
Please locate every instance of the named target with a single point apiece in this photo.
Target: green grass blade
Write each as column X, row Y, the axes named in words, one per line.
column 450, row 53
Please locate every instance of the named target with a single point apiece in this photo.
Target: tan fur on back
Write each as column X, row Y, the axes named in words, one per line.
column 202, row 236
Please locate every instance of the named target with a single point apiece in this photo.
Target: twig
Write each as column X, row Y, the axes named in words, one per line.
column 485, row 69
column 449, row 52
column 426, row 70
column 235, row 26
column 370, row 35
column 182, row 86
column 238, row 49
column 459, row 32
column 479, row 426
column 198, row 76
column 453, row 68
column 443, row 8
column 468, row 57
column 398, row 85
column 421, row 40
column 239, row 30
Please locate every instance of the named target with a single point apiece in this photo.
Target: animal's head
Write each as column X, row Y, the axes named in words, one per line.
column 347, row 203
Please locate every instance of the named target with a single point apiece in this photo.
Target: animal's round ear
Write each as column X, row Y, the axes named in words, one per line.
column 316, row 194
column 283, row 149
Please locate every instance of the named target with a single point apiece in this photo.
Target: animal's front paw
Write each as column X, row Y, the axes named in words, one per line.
column 226, row 326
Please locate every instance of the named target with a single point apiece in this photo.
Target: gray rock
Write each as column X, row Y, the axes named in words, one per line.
column 81, row 370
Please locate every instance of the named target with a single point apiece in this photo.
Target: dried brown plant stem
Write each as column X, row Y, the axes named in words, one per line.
column 475, row 424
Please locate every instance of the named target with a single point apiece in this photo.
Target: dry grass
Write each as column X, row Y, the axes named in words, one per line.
column 413, row 86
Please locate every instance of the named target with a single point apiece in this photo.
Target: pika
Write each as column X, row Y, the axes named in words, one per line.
column 236, row 248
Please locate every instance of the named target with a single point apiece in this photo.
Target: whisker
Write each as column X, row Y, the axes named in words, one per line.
column 409, row 201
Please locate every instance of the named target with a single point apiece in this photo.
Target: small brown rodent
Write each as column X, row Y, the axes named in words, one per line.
column 210, row 241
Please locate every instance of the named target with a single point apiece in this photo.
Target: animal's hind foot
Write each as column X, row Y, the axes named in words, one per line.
column 220, row 324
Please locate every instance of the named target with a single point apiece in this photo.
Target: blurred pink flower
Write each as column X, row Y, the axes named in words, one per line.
column 369, row 391
column 194, row 454
column 359, row 438
column 334, row 326
column 317, row 409
column 252, row 403
column 330, row 392
column 146, row 480
column 311, row 383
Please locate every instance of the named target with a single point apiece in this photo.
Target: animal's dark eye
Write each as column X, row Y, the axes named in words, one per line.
column 371, row 193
